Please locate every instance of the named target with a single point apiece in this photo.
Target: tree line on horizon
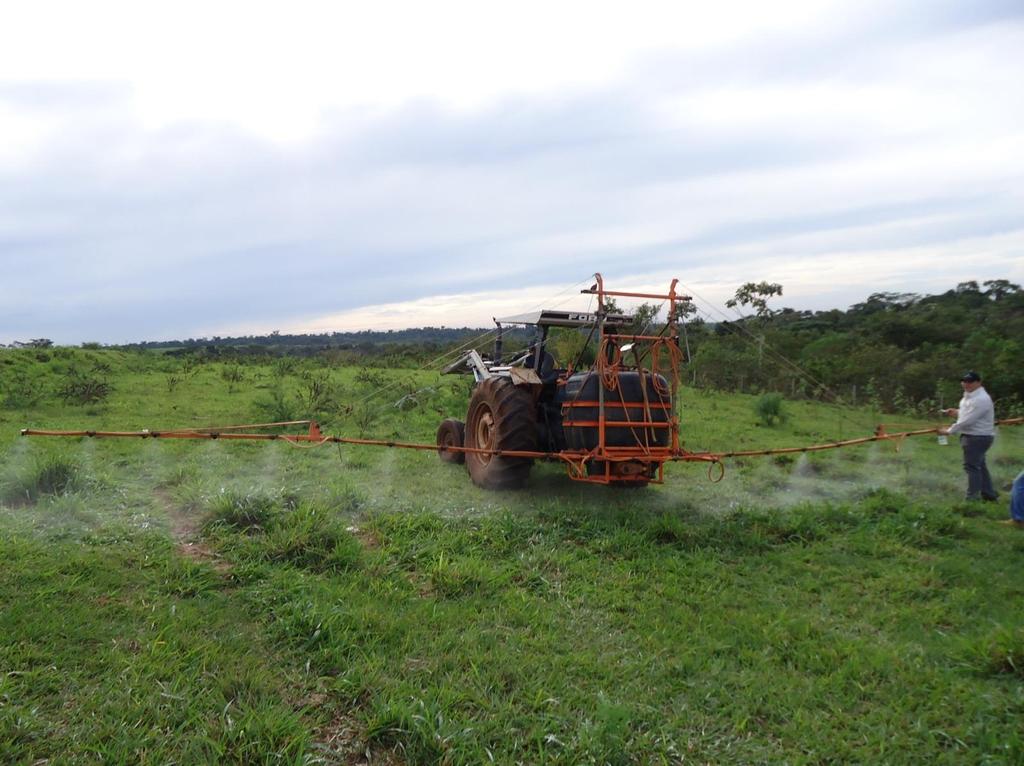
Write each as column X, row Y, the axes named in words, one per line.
column 897, row 351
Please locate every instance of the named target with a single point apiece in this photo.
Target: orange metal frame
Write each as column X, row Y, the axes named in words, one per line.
column 641, row 463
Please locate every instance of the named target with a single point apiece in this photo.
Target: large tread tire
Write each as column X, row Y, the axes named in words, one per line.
column 451, row 433
column 501, row 416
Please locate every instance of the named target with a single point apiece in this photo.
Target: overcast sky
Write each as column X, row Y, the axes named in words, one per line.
column 190, row 169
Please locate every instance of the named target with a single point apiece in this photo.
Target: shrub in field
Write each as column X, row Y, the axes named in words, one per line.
column 285, row 366
column 82, row 388
column 55, row 476
column 277, row 406
column 189, row 494
column 177, row 475
column 371, row 378
column 318, row 393
column 769, row 409
column 188, row 369
column 365, row 416
column 234, row 375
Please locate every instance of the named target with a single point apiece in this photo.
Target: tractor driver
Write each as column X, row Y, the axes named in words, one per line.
column 546, row 370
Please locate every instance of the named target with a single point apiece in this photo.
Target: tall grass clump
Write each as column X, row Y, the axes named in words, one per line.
column 51, row 475
column 264, row 528
column 248, row 512
column 421, row 731
column 998, row 653
column 312, row 538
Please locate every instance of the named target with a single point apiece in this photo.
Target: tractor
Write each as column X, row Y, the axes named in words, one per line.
column 612, row 423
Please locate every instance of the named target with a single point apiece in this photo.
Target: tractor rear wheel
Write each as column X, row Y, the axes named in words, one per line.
column 501, row 417
column 451, row 433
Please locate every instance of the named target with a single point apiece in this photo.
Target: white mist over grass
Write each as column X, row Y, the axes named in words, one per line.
column 15, row 460
column 270, row 466
column 837, row 476
column 390, row 478
column 154, row 457
column 84, row 453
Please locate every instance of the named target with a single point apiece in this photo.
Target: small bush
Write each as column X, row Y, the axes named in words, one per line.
column 276, row 407
column 187, row 578
column 285, row 366
column 189, row 495
column 670, row 530
column 234, row 375
column 770, row 410
column 177, row 475
column 318, row 393
column 371, row 378
column 81, row 388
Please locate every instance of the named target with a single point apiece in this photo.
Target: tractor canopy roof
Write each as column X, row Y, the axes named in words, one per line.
column 560, row 318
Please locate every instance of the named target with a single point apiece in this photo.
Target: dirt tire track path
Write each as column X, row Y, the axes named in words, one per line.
column 185, row 530
column 342, row 739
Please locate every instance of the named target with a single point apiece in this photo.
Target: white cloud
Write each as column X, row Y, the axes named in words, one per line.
column 275, row 70
column 832, row 277
column 256, row 166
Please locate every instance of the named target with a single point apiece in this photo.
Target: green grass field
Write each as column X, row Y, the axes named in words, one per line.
column 195, row 602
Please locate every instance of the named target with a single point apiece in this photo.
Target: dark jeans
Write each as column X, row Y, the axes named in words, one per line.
column 1017, row 498
column 979, row 483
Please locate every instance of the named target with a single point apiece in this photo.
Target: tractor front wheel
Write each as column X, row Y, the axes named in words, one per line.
column 501, row 417
column 451, row 433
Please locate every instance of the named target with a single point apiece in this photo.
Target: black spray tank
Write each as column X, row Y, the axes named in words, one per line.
column 635, row 398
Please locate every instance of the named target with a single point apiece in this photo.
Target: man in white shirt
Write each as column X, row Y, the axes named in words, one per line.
column 975, row 422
